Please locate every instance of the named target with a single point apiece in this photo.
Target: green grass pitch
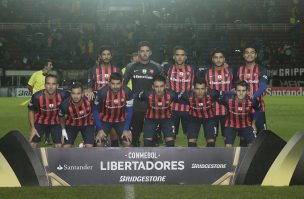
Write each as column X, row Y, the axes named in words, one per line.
column 285, row 116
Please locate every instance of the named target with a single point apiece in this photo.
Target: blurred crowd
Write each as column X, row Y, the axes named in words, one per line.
column 138, row 20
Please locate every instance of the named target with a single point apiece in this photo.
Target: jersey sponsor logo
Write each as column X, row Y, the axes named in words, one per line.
column 240, row 109
column 222, row 82
column 219, row 77
column 116, row 103
column 142, row 77
column 252, row 81
column 102, row 82
column 144, row 71
column 179, row 80
column 49, row 109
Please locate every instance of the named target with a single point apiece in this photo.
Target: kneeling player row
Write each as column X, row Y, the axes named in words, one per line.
column 65, row 114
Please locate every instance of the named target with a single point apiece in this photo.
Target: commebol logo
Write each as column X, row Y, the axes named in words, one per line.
column 66, row 167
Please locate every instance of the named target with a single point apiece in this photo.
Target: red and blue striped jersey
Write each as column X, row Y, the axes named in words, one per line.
column 77, row 115
column 158, row 107
column 253, row 76
column 112, row 105
column 199, row 108
column 221, row 80
column 99, row 76
column 180, row 79
column 46, row 108
column 240, row 112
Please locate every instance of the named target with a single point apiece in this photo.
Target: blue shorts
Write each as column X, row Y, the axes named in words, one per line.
column 118, row 127
column 87, row 132
column 246, row 133
column 43, row 129
column 151, row 126
column 195, row 126
column 182, row 116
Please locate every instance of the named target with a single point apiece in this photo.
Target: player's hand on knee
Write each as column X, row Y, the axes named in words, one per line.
column 33, row 133
column 100, row 136
column 64, row 135
column 127, row 136
column 89, row 94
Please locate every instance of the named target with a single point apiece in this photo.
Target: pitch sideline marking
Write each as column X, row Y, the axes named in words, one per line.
column 129, row 191
column 25, row 102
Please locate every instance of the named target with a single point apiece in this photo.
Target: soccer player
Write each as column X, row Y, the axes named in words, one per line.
column 180, row 77
column 133, row 59
column 240, row 114
column 141, row 73
column 37, row 82
column 220, row 78
column 200, row 112
column 99, row 77
column 113, row 109
column 75, row 114
column 256, row 78
column 158, row 112
column 43, row 110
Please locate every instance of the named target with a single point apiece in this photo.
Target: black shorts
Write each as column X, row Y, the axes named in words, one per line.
column 43, row 129
column 195, row 126
column 151, row 125
column 247, row 133
column 87, row 132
